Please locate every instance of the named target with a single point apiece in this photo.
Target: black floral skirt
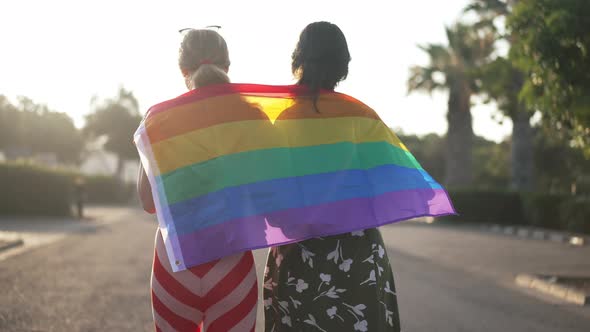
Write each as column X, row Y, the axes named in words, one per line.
column 336, row 283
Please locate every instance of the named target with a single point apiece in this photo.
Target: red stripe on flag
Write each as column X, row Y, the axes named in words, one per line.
column 234, row 316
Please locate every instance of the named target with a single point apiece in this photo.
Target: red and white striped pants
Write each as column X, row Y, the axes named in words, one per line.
column 218, row 296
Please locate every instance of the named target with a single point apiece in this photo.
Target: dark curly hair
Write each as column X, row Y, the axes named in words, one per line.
column 321, row 57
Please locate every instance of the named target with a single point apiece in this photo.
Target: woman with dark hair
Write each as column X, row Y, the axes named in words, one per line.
column 335, row 283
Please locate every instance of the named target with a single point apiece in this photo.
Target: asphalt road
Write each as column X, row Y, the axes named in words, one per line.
column 97, row 279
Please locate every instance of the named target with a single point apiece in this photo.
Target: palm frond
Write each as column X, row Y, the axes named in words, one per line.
column 423, row 79
column 438, row 54
column 489, row 9
column 453, row 64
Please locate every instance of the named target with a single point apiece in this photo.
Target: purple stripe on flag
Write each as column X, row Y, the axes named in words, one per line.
column 298, row 224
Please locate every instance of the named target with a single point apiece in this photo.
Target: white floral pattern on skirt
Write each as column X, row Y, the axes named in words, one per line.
column 338, row 283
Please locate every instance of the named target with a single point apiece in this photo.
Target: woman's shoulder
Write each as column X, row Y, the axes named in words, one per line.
column 352, row 100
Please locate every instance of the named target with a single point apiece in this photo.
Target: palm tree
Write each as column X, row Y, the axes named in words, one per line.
column 502, row 82
column 451, row 69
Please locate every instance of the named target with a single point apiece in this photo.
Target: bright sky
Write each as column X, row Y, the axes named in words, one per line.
column 61, row 52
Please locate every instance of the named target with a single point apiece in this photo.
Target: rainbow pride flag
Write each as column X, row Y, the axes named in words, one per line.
column 236, row 167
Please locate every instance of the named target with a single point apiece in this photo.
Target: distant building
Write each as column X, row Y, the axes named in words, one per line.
column 17, row 153
column 100, row 162
column 48, row 159
column 97, row 162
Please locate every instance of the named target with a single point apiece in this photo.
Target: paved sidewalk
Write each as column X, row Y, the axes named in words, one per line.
column 21, row 234
column 95, row 278
column 488, row 254
column 6, row 244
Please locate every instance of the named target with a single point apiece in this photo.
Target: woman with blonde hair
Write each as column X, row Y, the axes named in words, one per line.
column 220, row 295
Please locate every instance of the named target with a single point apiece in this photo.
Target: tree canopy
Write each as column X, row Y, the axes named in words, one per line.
column 552, row 45
column 37, row 129
column 116, row 120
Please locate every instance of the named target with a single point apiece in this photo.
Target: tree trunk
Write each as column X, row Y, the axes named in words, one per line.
column 522, row 163
column 121, row 181
column 459, row 160
column 120, row 167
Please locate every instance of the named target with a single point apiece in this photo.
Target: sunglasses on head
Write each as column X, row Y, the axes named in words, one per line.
column 213, row 27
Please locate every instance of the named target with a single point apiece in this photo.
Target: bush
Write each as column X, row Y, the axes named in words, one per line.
column 543, row 210
column 575, row 214
column 560, row 212
column 28, row 189
column 32, row 190
column 487, row 206
column 107, row 190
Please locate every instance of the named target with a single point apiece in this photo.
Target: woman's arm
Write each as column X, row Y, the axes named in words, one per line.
column 145, row 191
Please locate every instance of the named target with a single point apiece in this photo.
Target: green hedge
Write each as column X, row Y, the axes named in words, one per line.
column 560, row 212
column 487, row 206
column 544, row 210
column 27, row 189
column 575, row 214
column 107, row 190
column 31, row 190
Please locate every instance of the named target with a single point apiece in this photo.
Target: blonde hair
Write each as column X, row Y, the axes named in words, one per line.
column 203, row 58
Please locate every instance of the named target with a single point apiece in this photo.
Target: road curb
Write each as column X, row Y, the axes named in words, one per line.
column 563, row 292
column 5, row 245
column 539, row 234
